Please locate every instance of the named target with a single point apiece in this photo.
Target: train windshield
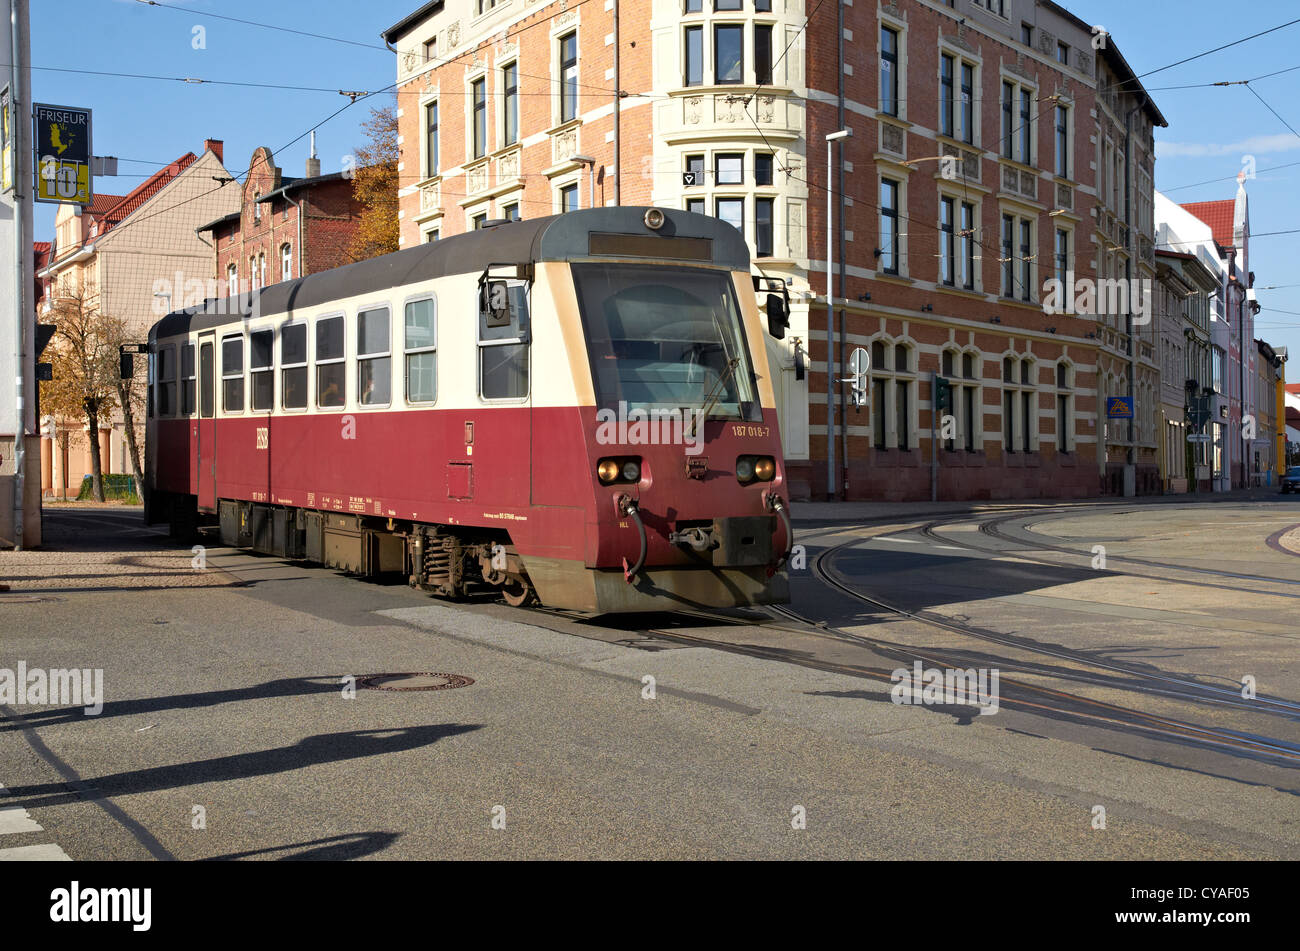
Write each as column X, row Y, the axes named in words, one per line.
column 666, row 338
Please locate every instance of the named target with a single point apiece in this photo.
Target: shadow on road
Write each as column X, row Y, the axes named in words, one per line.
column 286, row 687
column 354, row 845
column 310, row 751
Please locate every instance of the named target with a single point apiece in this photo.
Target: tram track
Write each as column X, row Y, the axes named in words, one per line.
column 1018, row 693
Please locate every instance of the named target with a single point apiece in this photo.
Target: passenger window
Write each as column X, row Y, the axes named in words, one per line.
column 232, row 374
column 374, row 362
column 503, row 351
column 421, row 351
column 187, row 379
column 167, row 381
column 331, row 367
column 293, row 366
column 260, row 362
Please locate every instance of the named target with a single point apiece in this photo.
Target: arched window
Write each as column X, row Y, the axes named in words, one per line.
column 960, row 371
column 286, row 262
column 1064, row 407
column 232, row 280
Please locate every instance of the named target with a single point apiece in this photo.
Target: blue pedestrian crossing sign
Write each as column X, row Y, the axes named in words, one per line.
column 1119, row 407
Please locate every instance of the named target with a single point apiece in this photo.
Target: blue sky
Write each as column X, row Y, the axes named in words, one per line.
column 148, row 123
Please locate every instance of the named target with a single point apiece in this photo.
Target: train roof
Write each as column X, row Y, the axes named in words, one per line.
column 520, row 243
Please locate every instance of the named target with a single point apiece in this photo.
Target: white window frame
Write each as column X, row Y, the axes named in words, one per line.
column 240, row 375
column 362, row 358
column 306, row 364
column 253, row 371
column 409, row 351
column 317, row 363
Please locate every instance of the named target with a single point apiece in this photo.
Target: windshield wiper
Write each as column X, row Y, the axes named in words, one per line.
column 715, row 394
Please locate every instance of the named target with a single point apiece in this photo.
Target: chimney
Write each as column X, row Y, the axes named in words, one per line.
column 216, row 147
column 313, row 163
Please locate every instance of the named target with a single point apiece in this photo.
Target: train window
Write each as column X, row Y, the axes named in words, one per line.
column 207, row 395
column 374, row 361
column 666, row 337
column 187, row 379
column 331, row 368
column 261, row 358
column 421, row 350
column 232, row 374
column 503, row 351
column 293, row 366
column 167, row 381
column 151, row 389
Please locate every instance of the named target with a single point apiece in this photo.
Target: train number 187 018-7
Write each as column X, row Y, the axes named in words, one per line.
column 744, row 430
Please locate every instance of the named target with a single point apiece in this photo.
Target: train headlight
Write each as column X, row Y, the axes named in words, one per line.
column 755, row 469
column 654, row 219
column 623, row 469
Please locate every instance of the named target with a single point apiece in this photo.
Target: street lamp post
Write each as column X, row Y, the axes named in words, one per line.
column 830, row 318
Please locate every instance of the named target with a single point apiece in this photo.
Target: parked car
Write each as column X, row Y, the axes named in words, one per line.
column 1291, row 480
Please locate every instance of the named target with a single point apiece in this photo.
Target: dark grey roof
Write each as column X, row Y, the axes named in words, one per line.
column 218, row 222
column 294, row 184
column 404, row 25
column 520, row 243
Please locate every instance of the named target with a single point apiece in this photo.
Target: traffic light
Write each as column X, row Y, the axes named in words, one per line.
column 942, row 393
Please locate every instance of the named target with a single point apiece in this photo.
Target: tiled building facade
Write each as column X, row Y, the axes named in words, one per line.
column 969, row 180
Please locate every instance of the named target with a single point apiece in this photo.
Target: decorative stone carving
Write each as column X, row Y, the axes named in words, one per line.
column 891, row 138
column 569, row 16
column 508, row 49
column 766, row 108
column 476, row 179
column 1046, row 43
column 1064, row 196
column 1018, row 67
column 1029, row 184
column 730, row 108
column 408, row 61
column 478, row 62
column 960, row 40
column 564, row 145
column 970, row 165
column 1010, row 179
column 430, row 196
column 508, row 167
column 453, row 35
column 694, row 107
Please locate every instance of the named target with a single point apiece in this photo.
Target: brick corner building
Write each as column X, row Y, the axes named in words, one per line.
column 284, row 227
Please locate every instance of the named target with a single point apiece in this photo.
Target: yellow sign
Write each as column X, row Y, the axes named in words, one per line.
column 6, row 142
column 62, row 137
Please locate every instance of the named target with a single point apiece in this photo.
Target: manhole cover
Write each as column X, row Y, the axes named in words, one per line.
column 426, row 681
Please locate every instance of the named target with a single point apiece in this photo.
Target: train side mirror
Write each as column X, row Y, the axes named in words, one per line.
column 126, row 366
column 778, row 316
column 494, row 304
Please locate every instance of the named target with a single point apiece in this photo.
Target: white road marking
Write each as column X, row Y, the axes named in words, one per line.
column 35, row 853
column 15, row 819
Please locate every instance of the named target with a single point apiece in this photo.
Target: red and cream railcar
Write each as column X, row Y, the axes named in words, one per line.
column 576, row 409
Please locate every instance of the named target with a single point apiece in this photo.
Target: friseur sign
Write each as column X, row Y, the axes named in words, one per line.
column 62, row 138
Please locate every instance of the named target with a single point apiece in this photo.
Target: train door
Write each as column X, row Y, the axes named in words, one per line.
column 206, row 449
column 504, row 337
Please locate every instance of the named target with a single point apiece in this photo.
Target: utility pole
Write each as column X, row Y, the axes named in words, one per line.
column 618, row 95
column 19, row 125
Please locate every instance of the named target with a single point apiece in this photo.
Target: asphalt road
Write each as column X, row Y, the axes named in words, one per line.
column 227, row 731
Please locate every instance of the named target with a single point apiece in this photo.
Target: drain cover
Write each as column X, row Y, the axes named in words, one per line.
column 426, row 681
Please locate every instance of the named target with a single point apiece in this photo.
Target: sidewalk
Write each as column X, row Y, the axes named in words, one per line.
column 807, row 513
